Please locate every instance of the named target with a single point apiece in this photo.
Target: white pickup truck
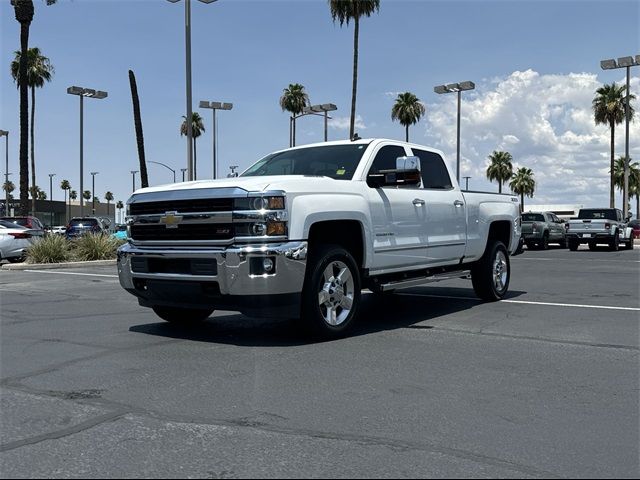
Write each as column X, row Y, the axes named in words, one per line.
column 301, row 233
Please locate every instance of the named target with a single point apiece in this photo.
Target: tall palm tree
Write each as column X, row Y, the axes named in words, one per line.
column 23, row 10
column 137, row 122
column 39, row 71
column 293, row 100
column 634, row 185
column 522, row 183
column 608, row 109
column 500, row 168
column 197, row 127
column 344, row 11
column 42, row 195
column 618, row 174
column 109, row 198
column 86, row 194
column 66, row 186
column 34, row 191
column 407, row 110
column 120, row 206
column 8, row 187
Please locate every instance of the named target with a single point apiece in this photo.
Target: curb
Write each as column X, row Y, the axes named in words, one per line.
column 52, row 266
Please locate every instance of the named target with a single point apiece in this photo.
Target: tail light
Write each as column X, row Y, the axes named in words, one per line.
column 20, row 235
column 566, row 226
column 607, row 226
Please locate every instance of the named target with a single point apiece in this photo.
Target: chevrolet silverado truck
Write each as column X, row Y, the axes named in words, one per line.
column 539, row 229
column 599, row 225
column 301, row 232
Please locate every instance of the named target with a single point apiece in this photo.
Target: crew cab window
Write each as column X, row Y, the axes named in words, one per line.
column 532, row 217
column 386, row 158
column 434, row 171
column 598, row 214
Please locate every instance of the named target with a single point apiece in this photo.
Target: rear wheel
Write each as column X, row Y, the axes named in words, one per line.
column 629, row 244
column 183, row 316
column 573, row 246
column 16, row 259
column 592, row 245
column 491, row 274
column 331, row 293
column 614, row 245
column 563, row 243
column 544, row 243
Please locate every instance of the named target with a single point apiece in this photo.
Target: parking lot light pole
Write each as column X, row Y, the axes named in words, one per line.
column 166, row 166
column 459, row 88
column 93, row 192
column 466, row 183
column 133, row 173
column 91, row 93
column 183, row 170
column 215, row 106
column 5, row 133
column 187, row 31
column 624, row 62
column 323, row 109
column 51, row 175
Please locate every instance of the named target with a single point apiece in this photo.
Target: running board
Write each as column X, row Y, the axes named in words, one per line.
column 415, row 282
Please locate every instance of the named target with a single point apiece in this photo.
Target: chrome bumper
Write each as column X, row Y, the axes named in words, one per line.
column 233, row 276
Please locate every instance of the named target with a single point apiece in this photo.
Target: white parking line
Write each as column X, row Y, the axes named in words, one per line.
column 573, row 305
column 576, row 259
column 72, row 273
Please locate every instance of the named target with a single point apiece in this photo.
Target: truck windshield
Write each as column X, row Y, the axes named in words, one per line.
column 335, row 161
column 597, row 214
column 532, row 217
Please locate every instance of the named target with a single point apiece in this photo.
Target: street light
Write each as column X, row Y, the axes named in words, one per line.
column 324, row 108
column 233, row 173
column 93, row 192
column 90, row 93
column 187, row 30
column 166, row 166
column 51, row 175
column 133, row 172
column 459, row 88
column 183, row 170
column 611, row 64
column 215, row 106
column 5, row 133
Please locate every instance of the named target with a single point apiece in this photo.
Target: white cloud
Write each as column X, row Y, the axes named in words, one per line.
column 343, row 123
column 546, row 123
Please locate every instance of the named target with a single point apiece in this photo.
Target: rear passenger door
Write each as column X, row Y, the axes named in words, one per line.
column 446, row 211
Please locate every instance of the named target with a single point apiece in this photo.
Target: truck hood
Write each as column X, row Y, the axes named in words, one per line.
column 287, row 183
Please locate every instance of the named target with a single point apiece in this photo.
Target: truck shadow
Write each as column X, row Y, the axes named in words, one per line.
column 407, row 309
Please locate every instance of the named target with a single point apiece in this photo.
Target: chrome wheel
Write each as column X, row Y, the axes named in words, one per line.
column 336, row 294
column 500, row 271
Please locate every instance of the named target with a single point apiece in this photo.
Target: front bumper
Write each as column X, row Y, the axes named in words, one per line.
column 228, row 281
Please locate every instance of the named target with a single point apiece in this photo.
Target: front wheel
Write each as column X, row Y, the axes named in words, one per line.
column 491, row 274
column 331, row 293
column 183, row 316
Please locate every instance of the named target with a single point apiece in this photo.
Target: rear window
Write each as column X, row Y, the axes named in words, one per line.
column 532, row 217
column 597, row 214
column 6, row 224
column 23, row 222
column 83, row 222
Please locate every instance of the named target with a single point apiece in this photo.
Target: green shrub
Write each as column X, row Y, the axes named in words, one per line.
column 95, row 247
column 49, row 249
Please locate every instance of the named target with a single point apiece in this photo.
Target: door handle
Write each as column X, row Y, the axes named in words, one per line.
column 418, row 202
column 458, row 203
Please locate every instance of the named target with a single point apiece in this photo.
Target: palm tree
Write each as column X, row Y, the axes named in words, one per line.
column 66, row 186
column 634, row 185
column 137, row 122
column 343, row 11
column 608, row 109
column 407, row 110
column 120, row 206
column 293, row 100
column 86, row 194
column 8, row 187
column 522, row 183
column 73, row 195
column 618, row 174
column 500, row 168
column 42, row 195
column 109, row 198
column 39, row 71
column 34, row 191
column 197, row 127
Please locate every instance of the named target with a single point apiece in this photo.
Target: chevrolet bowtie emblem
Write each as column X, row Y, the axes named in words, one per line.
column 171, row 220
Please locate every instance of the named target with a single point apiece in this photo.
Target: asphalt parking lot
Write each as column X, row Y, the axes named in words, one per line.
column 431, row 383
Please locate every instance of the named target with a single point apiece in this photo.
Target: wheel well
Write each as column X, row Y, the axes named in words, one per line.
column 500, row 230
column 346, row 233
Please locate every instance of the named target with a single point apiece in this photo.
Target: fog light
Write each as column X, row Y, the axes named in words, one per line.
column 258, row 229
column 268, row 265
column 276, row 228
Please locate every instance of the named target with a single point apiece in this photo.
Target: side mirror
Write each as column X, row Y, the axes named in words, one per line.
column 407, row 172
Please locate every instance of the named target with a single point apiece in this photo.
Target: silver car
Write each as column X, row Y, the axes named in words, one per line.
column 14, row 240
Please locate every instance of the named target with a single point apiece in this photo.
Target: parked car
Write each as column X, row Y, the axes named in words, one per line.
column 634, row 225
column 14, row 240
column 82, row 225
column 539, row 229
column 59, row 229
column 32, row 223
column 120, row 232
column 599, row 225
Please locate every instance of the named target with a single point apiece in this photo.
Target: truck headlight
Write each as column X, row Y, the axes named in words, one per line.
column 273, row 202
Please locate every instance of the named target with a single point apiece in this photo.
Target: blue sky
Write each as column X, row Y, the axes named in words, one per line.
column 528, row 59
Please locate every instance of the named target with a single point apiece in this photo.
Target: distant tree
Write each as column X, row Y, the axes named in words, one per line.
column 344, row 11
column 634, row 185
column 407, row 110
column 86, row 194
column 42, row 195
column 500, row 168
column 39, row 71
column 73, row 195
column 293, row 100
column 608, row 109
column 109, row 198
column 34, row 191
column 522, row 183
column 9, row 187
column 137, row 122
column 66, row 186
column 120, row 206
column 618, row 175
column 197, row 127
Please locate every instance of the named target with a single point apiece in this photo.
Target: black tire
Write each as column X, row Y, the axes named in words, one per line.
column 593, row 246
column 629, row 244
column 15, row 259
column 483, row 271
column 544, row 243
column 183, row 316
column 614, row 245
column 563, row 243
column 316, row 316
column 530, row 245
column 573, row 246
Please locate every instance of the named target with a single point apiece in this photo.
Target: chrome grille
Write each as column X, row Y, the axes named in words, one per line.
column 193, row 231
column 182, row 206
